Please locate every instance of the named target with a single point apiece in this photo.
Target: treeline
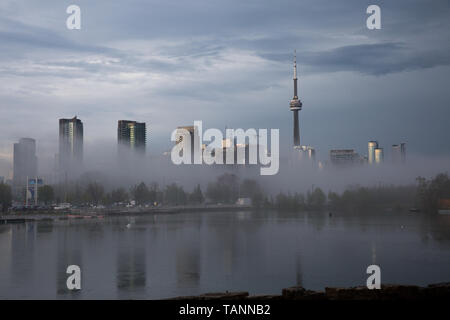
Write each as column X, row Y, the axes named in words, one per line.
column 313, row 200
column 95, row 194
column 373, row 198
column 431, row 192
column 426, row 196
column 228, row 188
column 5, row 197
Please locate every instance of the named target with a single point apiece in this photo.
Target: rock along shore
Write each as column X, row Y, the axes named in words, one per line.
column 386, row 293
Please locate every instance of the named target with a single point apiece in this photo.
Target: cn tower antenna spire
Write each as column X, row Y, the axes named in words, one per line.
column 295, row 105
column 295, row 64
column 295, row 75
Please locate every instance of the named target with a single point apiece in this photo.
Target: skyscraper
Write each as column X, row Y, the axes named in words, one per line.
column 131, row 136
column 295, row 106
column 372, row 145
column 25, row 161
column 403, row 152
column 70, row 144
column 304, row 153
column 399, row 153
column 379, row 155
column 344, row 157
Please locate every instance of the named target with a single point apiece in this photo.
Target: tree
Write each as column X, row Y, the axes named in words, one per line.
column 119, row 195
column 5, row 197
column 225, row 189
column 196, row 196
column 251, row 189
column 316, row 198
column 334, row 199
column 94, row 193
column 175, row 195
column 155, row 193
column 46, row 194
column 141, row 193
column 430, row 192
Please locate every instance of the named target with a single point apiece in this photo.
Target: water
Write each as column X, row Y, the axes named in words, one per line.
column 167, row 255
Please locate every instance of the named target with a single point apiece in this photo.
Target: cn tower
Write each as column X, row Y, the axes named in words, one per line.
column 296, row 105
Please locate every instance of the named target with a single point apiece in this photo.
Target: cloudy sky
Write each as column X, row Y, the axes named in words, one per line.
column 228, row 63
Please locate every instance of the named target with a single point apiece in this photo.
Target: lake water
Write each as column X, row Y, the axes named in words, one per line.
column 168, row 255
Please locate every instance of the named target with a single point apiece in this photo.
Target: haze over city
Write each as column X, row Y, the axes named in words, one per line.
column 131, row 61
column 207, row 150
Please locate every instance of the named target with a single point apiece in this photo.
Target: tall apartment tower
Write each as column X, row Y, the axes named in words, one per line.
column 131, row 136
column 379, row 155
column 295, row 106
column 372, row 145
column 25, row 161
column 70, row 145
column 399, row 153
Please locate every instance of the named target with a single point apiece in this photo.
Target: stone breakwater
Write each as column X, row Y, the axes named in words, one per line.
column 386, row 293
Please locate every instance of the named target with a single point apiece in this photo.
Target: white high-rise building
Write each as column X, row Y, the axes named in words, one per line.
column 371, row 155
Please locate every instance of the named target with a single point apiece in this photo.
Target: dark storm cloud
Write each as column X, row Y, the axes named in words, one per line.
column 376, row 59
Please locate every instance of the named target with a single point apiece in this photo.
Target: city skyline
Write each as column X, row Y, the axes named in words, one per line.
column 267, row 152
column 358, row 84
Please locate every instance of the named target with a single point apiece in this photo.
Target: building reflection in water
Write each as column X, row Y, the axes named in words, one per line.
column 187, row 259
column 22, row 243
column 298, row 271
column 43, row 227
column 188, row 265
column 69, row 252
column 374, row 253
column 5, row 260
column 131, row 263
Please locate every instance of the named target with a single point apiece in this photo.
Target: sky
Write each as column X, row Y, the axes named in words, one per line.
column 229, row 64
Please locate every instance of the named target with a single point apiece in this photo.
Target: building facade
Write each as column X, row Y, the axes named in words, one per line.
column 70, row 155
column 379, row 155
column 131, row 136
column 372, row 145
column 25, row 161
column 344, row 157
column 399, row 153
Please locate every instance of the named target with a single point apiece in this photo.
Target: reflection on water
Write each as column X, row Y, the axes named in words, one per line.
column 159, row 256
column 131, row 262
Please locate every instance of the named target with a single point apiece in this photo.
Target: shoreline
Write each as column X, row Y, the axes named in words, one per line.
column 89, row 213
column 388, row 292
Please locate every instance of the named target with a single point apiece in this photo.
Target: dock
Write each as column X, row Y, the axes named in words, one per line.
column 89, row 213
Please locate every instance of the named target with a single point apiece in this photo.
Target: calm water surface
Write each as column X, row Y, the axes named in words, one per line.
column 160, row 256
